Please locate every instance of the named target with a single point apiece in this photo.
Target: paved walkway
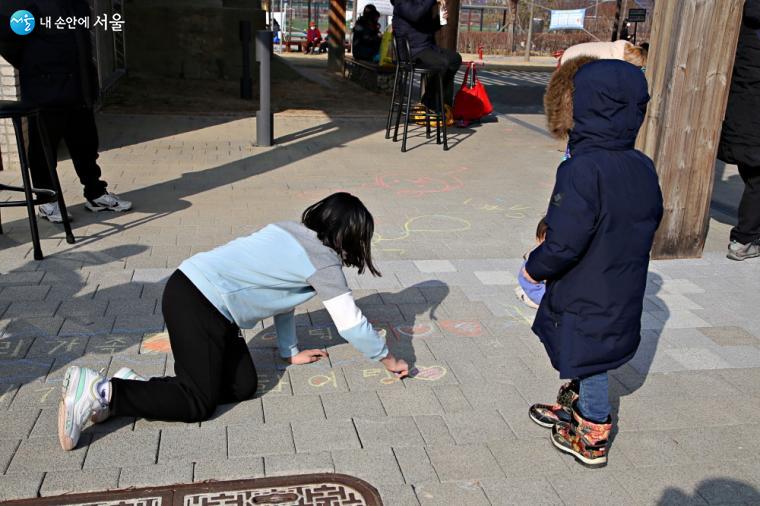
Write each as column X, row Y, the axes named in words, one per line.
column 451, row 228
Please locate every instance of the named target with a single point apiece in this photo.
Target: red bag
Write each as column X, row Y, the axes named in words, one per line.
column 472, row 102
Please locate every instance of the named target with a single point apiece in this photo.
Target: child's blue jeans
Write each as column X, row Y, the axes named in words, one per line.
column 594, row 400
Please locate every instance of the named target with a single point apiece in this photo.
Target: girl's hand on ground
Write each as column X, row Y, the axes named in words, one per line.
column 395, row 365
column 308, row 357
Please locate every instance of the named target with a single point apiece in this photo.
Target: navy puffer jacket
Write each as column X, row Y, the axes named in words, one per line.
column 414, row 20
column 603, row 213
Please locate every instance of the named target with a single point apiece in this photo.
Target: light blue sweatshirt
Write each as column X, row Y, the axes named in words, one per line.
column 269, row 273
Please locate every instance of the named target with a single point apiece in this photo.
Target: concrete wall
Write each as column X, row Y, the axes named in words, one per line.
column 192, row 39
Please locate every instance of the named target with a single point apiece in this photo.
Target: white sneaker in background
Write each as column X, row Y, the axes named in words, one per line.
column 51, row 212
column 108, row 202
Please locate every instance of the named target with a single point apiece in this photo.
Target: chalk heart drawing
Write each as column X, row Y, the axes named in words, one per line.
column 465, row 328
column 156, row 343
column 417, row 330
column 431, row 373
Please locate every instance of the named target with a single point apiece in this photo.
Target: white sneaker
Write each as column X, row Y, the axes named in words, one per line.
column 108, row 202
column 51, row 212
column 80, row 399
column 520, row 294
column 101, row 415
column 739, row 251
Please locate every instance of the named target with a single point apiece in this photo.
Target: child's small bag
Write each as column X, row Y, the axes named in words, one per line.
column 471, row 102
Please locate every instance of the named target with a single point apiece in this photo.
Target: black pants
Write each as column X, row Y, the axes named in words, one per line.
column 211, row 361
column 748, row 227
column 77, row 128
column 446, row 62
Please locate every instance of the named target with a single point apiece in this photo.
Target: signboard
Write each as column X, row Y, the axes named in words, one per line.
column 637, row 15
column 567, row 20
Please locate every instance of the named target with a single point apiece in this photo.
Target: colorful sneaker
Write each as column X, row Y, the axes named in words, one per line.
column 51, row 212
column 583, row 439
column 80, row 399
column 546, row 415
column 739, row 251
column 101, row 415
column 108, row 202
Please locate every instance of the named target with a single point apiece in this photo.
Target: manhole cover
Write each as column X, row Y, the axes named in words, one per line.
column 307, row 489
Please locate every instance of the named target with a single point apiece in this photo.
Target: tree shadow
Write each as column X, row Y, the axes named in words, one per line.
column 713, row 491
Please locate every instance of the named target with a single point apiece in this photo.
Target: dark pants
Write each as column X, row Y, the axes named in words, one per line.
column 211, row 361
column 446, row 63
column 77, row 128
column 748, row 227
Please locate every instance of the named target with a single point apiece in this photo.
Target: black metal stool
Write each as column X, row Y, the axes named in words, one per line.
column 15, row 111
column 401, row 98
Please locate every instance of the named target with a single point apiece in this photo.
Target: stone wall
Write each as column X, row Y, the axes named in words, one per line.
column 192, row 39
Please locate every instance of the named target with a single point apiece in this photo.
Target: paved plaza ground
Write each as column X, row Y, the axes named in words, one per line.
column 451, row 230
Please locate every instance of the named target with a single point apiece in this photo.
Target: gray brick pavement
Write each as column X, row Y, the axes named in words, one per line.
column 457, row 435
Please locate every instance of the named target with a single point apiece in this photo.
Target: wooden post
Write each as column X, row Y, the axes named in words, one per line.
column 448, row 35
column 616, row 24
column 336, row 31
column 691, row 58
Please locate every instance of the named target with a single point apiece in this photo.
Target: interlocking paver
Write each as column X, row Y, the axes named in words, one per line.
column 387, row 431
column 89, row 480
column 259, row 439
column 323, row 435
column 115, row 449
column 520, row 491
column 20, row 485
column 410, row 402
column 376, row 465
column 459, row 492
column 280, row 409
column 464, row 462
column 352, row 404
column 299, row 463
column 468, row 429
column 156, row 475
column 229, row 469
column 415, row 464
column 44, row 453
column 192, row 445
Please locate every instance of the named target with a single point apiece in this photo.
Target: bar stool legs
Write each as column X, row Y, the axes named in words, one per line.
column 49, row 159
column 27, row 188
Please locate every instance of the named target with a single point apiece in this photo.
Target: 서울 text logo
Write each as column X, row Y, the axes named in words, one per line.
column 22, row 22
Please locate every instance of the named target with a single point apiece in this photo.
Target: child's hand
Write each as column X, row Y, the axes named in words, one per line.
column 528, row 278
column 395, row 365
column 307, row 357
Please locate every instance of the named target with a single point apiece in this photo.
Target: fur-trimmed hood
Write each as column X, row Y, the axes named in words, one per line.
column 597, row 103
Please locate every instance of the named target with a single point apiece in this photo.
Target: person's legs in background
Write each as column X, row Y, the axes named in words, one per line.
column 55, row 126
column 444, row 61
column 81, row 137
column 745, row 236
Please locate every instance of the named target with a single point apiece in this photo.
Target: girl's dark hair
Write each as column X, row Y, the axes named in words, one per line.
column 343, row 223
column 541, row 229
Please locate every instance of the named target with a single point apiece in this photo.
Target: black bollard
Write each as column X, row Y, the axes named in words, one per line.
column 246, row 84
column 264, row 118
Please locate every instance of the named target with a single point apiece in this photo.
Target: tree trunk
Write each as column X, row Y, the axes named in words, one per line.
column 693, row 45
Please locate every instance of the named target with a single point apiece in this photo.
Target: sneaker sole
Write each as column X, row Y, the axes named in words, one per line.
column 113, row 209
column 51, row 220
column 585, row 462
column 546, row 425
column 67, row 443
column 732, row 256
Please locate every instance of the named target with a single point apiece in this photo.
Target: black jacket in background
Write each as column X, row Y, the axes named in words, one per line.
column 740, row 138
column 414, row 20
column 55, row 67
column 366, row 40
